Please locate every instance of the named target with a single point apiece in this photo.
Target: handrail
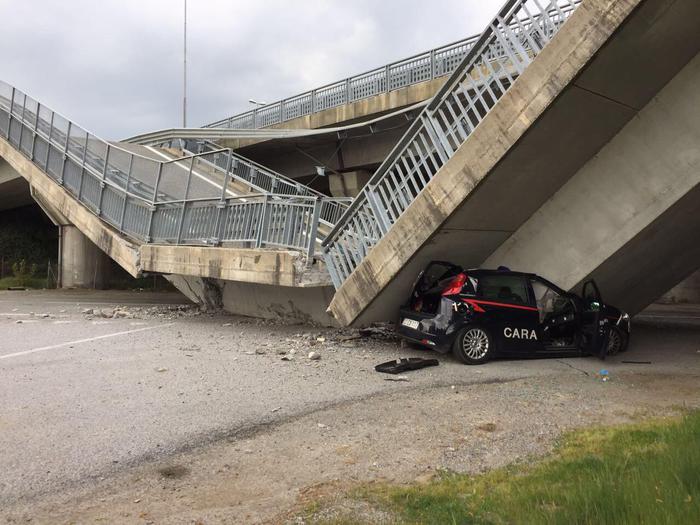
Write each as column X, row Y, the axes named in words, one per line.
column 510, row 42
column 271, row 181
column 138, row 195
column 395, row 75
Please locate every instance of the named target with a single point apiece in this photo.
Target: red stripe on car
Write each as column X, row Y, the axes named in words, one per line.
column 476, row 302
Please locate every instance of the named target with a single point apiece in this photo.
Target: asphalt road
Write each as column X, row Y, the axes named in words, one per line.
column 82, row 397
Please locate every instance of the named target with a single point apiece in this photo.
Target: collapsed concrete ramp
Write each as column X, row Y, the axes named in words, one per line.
column 481, row 178
column 194, row 218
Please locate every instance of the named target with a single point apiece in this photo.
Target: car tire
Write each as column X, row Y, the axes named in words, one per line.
column 473, row 345
column 617, row 341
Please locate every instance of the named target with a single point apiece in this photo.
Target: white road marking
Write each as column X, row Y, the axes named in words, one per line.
column 194, row 172
column 80, row 341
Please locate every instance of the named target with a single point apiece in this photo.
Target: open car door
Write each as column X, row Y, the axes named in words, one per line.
column 594, row 324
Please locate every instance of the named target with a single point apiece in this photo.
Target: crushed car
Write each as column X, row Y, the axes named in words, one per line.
column 481, row 314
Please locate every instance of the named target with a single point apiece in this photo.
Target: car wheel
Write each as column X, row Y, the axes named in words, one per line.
column 617, row 341
column 473, row 345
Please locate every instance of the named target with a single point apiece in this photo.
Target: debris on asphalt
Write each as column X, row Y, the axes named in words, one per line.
column 604, row 375
column 487, row 427
column 287, row 358
column 161, row 369
column 314, row 356
column 637, row 362
column 396, row 378
column 405, row 364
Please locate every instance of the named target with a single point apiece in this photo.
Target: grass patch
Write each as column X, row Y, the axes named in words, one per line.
column 642, row 473
column 23, row 282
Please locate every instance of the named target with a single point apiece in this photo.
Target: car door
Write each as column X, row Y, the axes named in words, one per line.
column 595, row 328
column 508, row 311
column 558, row 322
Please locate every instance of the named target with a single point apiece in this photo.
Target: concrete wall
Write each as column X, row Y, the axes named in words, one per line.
column 632, row 182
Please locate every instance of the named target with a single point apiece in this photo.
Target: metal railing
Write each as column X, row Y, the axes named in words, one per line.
column 429, row 65
column 157, row 201
column 511, row 41
column 262, row 179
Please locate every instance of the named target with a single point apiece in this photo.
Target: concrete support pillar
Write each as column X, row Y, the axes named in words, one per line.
column 348, row 184
column 83, row 265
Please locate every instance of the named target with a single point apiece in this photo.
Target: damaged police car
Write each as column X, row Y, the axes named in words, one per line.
column 481, row 314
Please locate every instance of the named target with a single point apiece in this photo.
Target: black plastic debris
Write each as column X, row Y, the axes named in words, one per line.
column 405, row 364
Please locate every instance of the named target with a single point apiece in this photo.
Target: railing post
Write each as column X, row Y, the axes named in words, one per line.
column 35, row 131
column 313, row 231
column 126, row 193
column 264, row 221
column 281, row 111
column 387, row 77
column 347, row 91
column 65, row 155
column 313, row 101
column 432, row 64
column 102, row 182
column 149, row 230
column 221, row 206
column 184, row 203
column 377, row 211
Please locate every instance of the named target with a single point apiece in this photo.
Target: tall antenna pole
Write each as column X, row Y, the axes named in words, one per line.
column 184, row 72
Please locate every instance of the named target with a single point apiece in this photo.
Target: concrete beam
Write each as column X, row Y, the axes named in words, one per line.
column 270, row 267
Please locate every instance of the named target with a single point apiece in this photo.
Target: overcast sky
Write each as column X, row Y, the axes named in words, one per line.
column 115, row 66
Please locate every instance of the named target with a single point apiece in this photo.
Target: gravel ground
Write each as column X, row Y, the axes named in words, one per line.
column 200, row 418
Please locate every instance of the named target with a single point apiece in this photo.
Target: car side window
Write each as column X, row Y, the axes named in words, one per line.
column 503, row 288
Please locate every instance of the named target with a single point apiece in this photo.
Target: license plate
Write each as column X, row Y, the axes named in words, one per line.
column 410, row 323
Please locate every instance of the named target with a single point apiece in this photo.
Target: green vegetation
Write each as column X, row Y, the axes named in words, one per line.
column 24, row 275
column 642, row 473
column 27, row 237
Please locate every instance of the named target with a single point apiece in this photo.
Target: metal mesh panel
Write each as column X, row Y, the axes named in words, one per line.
column 165, row 223
column 242, row 221
column 112, row 204
column 71, row 176
column 90, row 192
column 136, row 218
column 41, row 151
column 55, row 165
column 199, row 219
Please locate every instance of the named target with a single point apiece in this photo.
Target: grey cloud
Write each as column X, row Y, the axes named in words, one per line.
column 115, row 67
